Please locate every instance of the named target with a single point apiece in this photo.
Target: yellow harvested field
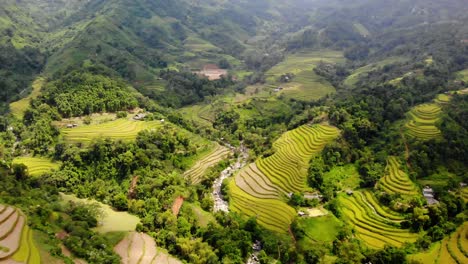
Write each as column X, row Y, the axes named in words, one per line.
column 217, row 154
column 259, row 189
column 121, row 129
column 396, row 180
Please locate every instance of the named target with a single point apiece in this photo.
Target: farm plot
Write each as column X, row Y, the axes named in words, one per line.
column 195, row 174
column 453, row 249
column 442, row 99
column 16, row 241
column 272, row 214
column 305, row 85
column 37, row 166
column 421, row 122
column 287, row 168
column 374, row 229
column 123, row 129
column 140, row 248
column 258, row 189
column 396, row 180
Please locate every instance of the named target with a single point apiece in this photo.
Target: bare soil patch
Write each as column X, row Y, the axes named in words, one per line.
column 137, row 249
column 12, row 241
column 316, row 212
column 212, row 72
column 177, row 205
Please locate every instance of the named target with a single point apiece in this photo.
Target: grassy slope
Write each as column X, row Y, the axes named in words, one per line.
column 19, row 107
column 111, row 221
column 463, row 75
column 323, row 228
column 352, row 79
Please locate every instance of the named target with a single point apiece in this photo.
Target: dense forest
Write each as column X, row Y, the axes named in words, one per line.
column 234, row 131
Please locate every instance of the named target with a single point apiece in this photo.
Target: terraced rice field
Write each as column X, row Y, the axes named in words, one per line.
column 140, row 248
column 306, row 85
column 287, row 167
column 37, row 166
column 272, row 214
column 452, row 250
column 259, row 188
column 16, row 241
column 196, row 173
column 422, row 120
column 371, row 224
column 396, row 180
column 123, row 129
column 442, row 99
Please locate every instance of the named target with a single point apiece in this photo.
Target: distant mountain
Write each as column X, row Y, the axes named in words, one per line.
column 135, row 38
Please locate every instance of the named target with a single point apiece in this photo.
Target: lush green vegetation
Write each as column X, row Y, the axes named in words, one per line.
column 345, row 117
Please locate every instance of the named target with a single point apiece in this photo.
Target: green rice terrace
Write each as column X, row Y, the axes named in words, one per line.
column 37, row 166
column 215, row 155
column 123, row 129
column 259, row 189
column 452, row 250
column 396, row 180
column 422, row 120
column 375, row 225
column 16, row 241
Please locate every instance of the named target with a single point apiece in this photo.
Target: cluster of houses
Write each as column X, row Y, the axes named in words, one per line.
column 72, row 125
column 278, row 89
column 428, row 193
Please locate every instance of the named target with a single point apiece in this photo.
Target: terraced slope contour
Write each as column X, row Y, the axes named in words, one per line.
column 422, row 120
column 372, row 226
column 287, row 167
column 396, row 180
column 140, row 248
column 16, row 241
column 37, row 166
column 452, row 250
column 123, row 129
column 259, row 190
column 195, row 174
